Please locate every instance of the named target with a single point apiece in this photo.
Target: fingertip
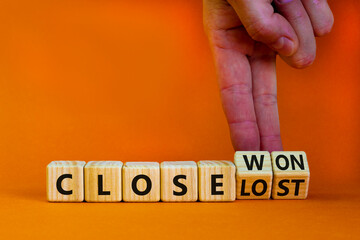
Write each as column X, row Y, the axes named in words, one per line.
column 245, row 136
column 304, row 61
column 325, row 28
column 321, row 16
column 271, row 143
column 252, row 145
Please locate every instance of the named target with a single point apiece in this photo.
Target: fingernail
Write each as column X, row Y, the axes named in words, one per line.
column 284, row 46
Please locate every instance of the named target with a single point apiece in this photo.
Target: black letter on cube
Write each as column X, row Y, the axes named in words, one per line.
column 180, row 185
column 215, row 184
column 58, row 184
column 148, row 185
column 100, row 186
column 297, row 185
column 283, row 187
column 254, row 187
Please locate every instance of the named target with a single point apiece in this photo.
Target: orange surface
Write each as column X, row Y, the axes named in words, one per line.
column 134, row 80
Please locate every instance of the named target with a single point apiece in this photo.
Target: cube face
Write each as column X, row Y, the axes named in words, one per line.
column 65, row 181
column 253, row 161
column 216, row 181
column 253, row 175
column 103, row 181
column 141, row 182
column 291, row 175
column 179, row 181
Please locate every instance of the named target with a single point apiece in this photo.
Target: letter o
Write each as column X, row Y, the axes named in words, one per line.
column 253, row 188
column 148, row 185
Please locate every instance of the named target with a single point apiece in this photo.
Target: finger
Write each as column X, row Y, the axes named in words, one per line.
column 230, row 45
column 265, row 99
column 295, row 13
column 320, row 15
column 234, row 76
column 265, row 26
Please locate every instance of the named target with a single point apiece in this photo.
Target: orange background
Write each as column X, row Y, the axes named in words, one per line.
column 134, row 80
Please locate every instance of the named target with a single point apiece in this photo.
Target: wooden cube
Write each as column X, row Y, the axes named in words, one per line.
column 253, row 175
column 103, row 181
column 216, row 181
column 291, row 175
column 65, row 181
column 141, row 182
column 179, row 181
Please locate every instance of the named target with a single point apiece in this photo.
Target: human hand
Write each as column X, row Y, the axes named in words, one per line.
column 245, row 36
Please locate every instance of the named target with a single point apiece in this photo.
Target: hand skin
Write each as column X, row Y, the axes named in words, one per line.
column 245, row 36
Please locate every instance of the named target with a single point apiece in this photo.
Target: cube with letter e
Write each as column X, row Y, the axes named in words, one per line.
column 291, row 175
column 216, row 181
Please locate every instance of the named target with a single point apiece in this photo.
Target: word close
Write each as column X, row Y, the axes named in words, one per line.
column 252, row 175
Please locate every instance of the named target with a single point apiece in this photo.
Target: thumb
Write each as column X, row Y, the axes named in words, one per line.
column 266, row 26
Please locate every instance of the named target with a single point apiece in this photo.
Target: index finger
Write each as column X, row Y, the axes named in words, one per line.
column 265, row 98
column 231, row 44
column 234, row 76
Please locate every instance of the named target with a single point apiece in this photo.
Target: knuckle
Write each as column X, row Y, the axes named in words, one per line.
column 267, row 99
column 248, row 124
column 298, row 16
column 258, row 29
column 237, row 88
column 272, row 137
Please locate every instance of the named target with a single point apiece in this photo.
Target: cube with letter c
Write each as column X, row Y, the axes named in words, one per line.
column 65, row 181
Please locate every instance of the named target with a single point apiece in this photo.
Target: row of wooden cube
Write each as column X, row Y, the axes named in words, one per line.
column 253, row 175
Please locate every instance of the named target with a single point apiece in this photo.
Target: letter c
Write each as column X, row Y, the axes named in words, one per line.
column 59, row 187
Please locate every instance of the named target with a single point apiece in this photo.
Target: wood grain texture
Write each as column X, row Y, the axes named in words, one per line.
column 75, row 184
column 110, row 174
column 210, row 169
column 253, row 174
column 149, row 169
column 189, row 178
column 291, row 175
